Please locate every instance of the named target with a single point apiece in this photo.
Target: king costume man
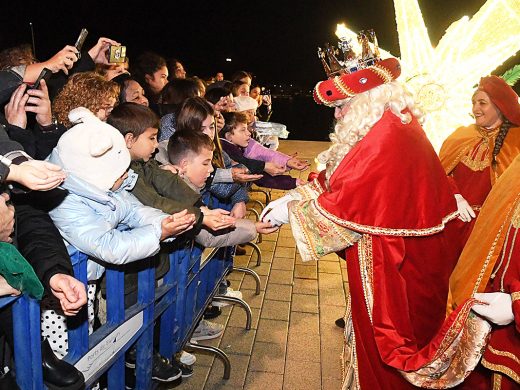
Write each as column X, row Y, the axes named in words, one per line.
column 385, row 205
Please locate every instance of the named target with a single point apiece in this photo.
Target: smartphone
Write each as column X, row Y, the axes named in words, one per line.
column 116, row 54
column 45, row 74
column 81, row 39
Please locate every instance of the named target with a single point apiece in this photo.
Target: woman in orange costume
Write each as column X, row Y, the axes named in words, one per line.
column 474, row 157
column 489, row 270
column 385, row 205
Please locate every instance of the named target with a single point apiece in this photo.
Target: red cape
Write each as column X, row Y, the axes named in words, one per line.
column 391, row 183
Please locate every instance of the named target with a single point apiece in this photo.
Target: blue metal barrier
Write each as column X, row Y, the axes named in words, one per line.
column 178, row 304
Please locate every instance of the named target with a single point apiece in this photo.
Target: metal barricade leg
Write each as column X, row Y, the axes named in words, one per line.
column 240, row 302
column 258, row 252
column 253, row 274
column 216, row 351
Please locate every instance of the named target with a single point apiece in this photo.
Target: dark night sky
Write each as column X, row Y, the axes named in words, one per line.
column 276, row 40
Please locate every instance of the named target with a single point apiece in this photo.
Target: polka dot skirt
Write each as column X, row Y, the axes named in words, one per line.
column 54, row 324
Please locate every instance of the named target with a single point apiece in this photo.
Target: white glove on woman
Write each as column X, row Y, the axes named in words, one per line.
column 499, row 308
column 277, row 212
column 465, row 210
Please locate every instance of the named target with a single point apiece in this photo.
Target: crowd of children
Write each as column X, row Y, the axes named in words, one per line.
column 110, row 189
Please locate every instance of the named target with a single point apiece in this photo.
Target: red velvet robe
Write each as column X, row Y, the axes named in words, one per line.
column 392, row 191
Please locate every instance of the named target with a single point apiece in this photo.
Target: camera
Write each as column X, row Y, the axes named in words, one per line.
column 116, row 54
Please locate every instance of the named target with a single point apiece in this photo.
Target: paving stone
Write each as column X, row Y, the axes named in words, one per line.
column 329, row 313
column 238, row 341
column 238, row 317
column 270, row 237
column 304, row 323
column 331, row 361
column 285, row 252
column 331, row 383
column 287, row 242
column 279, row 276
column 267, row 257
column 333, row 297
column 278, row 292
column 267, row 246
column 283, row 263
column 241, row 261
column 268, row 357
column 301, row 375
column 275, row 310
column 303, row 347
column 330, row 267
column 253, row 300
column 305, row 271
column 261, row 380
column 305, row 286
column 333, row 281
column 305, row 303
column 195, row 382
column 237, row 379
column 272, row 331
column 262, row 269
column 250, row 283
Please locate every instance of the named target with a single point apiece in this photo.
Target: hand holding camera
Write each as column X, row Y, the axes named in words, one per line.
column 100, row 53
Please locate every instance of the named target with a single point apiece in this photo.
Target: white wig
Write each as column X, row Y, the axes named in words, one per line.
column 364, row 111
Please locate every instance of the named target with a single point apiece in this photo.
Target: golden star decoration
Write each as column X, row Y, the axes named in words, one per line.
column 443, row 78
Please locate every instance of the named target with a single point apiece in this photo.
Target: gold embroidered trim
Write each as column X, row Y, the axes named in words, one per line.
column 349, row 367
column 315, row 235
column 492, row 249
column 342, row 87
column 515, row 296
column 387, row 231
column 497, row 381
column 515, row 221
column 366, row 269
column 503, row 369
column 319, row 96
column 382, row 72
column 504, row 354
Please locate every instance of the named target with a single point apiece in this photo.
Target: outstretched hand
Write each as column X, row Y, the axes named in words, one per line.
column 265, row 227
column 176, row 224
column 37, row 175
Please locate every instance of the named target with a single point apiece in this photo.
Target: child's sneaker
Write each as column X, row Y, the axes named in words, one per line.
column 163, row 371
column 229, row 293
column 187, row 358
column 207, row 330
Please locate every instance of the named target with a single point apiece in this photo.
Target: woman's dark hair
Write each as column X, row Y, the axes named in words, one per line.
column 146, row 64
column 214, row 94
column 193, row 112
column 132, row 118
column 178, row 90
column 189, row 119
column 499, row 141
column 241, row 74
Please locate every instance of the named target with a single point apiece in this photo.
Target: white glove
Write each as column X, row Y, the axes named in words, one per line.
column 465, row 210
column 277, row 212
column 499, row 308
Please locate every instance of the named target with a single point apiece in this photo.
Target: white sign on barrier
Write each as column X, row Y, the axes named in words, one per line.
column 95, row 359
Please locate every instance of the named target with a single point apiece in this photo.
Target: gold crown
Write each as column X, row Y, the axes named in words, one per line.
column 348, row 61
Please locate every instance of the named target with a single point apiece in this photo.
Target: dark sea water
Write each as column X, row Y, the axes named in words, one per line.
column 305, row 120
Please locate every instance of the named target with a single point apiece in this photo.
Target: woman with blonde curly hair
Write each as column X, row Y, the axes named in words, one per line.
column 89, row 90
